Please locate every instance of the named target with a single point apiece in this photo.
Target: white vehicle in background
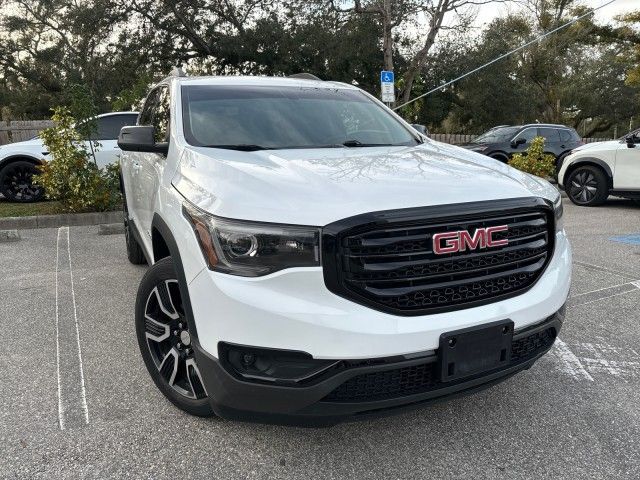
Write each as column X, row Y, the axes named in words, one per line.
column 592, row 172
column 18, row 160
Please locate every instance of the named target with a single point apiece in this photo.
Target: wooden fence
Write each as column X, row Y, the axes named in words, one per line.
column 19, row 130
column 16, row 131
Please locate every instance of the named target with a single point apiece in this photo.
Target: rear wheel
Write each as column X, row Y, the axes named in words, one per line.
column 165, row 340
column 16, row 182
column 134, row 250
column 587, row 186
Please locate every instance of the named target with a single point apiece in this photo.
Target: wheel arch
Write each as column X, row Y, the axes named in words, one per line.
column 499, row 155
column 163, row 239
column 20, row 157
column 593, row 162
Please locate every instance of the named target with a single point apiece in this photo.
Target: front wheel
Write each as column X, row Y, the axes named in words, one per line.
column 587, row 186
column 165, row 340
column 16, row 182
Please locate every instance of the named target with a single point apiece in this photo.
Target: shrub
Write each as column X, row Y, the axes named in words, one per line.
column 535, row 161
column 71, row 176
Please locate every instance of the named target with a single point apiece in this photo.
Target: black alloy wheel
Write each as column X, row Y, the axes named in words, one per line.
column 587, row 186
column 166, row 342
column 16, row 182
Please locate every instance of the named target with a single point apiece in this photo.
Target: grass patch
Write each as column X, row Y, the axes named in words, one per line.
column 9, row 209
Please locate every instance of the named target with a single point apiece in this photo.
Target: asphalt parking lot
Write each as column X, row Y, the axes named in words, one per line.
column 575, row 414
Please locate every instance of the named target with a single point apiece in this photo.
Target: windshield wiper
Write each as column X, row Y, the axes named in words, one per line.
column 358, row 143
column 243, row 147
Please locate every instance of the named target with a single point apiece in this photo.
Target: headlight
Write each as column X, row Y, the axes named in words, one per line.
column 558, row 210
column 251, row 249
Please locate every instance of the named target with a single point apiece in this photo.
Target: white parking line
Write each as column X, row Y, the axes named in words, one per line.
column 570, row 364
column 60, row 410
column 75, row 317
column 72, row 397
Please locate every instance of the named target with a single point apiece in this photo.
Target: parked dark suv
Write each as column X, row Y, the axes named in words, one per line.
column 502, row 142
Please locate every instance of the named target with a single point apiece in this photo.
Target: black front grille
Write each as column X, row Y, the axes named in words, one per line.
column 386, row 260
column 422, row 378
column 531, row 345
column 371, row 387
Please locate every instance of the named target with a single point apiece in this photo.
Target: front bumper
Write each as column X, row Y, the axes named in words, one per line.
column 364, row 388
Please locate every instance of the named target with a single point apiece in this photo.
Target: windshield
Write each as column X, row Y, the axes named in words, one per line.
column 257, row 117
column 497, row 135
column 635, row 133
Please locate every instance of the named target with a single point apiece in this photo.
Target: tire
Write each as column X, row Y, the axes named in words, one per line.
column 135, row 254
column 587, row 186
column 164, row 340
column 500, row 157
column 16, row 182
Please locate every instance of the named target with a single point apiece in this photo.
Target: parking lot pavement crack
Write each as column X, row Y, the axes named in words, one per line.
column 72, row 401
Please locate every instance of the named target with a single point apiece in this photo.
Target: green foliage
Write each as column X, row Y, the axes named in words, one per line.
column 83, row 108
column 535, row 161
column 130, row 98
column 71, row 177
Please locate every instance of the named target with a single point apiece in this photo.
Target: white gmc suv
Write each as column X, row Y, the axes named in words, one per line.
column 592, row 172
column 314, row 257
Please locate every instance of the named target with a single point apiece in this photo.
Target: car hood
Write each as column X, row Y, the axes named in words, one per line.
column 598, row 146
column 319, row 186
column 33, row 146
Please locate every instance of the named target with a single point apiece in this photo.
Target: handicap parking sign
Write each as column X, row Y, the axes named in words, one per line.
column 386, row 77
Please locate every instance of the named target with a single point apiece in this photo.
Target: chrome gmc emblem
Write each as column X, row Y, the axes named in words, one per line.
column 461, row 241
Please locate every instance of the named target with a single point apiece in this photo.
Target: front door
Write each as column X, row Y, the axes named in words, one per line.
column 627, row 171
column 152, row 164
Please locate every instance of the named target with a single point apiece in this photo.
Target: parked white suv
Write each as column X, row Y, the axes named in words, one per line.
column 18, row 161
column 315, row 257
column 592, row 172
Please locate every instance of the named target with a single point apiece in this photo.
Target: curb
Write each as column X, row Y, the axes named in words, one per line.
column 62, row 220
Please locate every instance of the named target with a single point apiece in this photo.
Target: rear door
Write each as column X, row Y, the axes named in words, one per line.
column 551, row 140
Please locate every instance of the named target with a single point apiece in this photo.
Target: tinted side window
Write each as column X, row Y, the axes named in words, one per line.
column 161, row 115
column 565, row 136
column 109, row 127
column 528, row 134
column 549, row 134
column 146, row 116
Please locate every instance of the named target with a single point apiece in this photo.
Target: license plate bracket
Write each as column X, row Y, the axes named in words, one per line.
column 475, row 350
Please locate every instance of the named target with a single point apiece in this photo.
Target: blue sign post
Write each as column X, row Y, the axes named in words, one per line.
column 387, row 80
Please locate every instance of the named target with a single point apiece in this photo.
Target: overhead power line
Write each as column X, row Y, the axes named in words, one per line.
column 521, row 47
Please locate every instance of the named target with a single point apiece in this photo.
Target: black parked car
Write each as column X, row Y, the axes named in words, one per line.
column 502, row 142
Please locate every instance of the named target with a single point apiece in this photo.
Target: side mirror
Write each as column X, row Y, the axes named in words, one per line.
column 518, row 142
column 421, row 129
column 140, row 138
column 632, row 140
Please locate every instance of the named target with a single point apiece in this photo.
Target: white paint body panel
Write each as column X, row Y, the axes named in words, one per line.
column 624, row 162
column 293, row 309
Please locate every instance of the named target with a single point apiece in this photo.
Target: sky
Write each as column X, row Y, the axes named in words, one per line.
column 488, row 13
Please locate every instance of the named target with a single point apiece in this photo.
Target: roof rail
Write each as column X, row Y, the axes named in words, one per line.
column 304, row 76
column 177, row 72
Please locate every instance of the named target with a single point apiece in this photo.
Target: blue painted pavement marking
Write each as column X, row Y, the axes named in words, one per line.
column 631, row 239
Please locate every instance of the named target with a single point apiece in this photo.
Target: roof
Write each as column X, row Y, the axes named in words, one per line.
column 260, row 81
